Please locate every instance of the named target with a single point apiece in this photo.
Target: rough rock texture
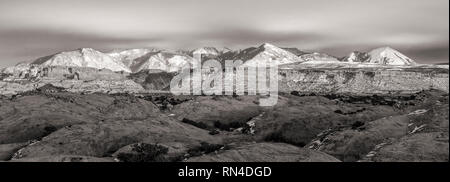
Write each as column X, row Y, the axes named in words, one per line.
column 299, row 119
column 418, row 133
column 422, row 147
column 37, row 115
column 351, row 145
column 79, row 86
column 218, row 111
column 50, row 124
column 95, row 125
column 75, row 79
column 8, row 150
column 347, row 79
column 104, row 138
column 64, row 158
column 266, row 152
column 363, row 81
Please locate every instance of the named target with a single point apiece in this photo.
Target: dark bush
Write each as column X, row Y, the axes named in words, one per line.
column 143, row 152
column 49, row 129
column 214, row 132
column 229, row 126
column 204, row 148
column 338, row 112
column 357, row 124
column 278, row 137
column 196, row 124
column 370, row 74
column 296, row 93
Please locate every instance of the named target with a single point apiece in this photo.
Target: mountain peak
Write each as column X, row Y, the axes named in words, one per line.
column 86, row 49
column 205, row 51
column 317, row 57
column 269, row 55
column 389, row 56
column 81, row 57
column 356, row 56
column 386, row 48
column 161, row 60
column 268, row 46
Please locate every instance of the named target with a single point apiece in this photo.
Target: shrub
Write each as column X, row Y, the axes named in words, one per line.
column 214, row 132
column 370, row 74
column 196, row 124
column 143, row 152
column 357, row 124
column 229, row 126
column 204, row 148
column 296, row 93
column 277, row 136
column 49, row 129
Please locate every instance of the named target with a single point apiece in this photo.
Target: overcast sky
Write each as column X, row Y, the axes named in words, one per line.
column 34, row 28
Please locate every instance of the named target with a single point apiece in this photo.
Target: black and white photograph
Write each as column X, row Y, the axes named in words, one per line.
column 245, row 81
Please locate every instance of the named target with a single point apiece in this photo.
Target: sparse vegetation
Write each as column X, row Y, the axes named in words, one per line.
column 278, row 136
column 205, row 148
column 370, row 74
column 143, row 152
column 229, row 126
column 196, row 124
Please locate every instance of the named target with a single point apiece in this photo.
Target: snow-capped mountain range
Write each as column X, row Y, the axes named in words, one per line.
column 135, row 60
column 84, row 57
column 316, row 57
column 382, row 56
column 267, row 54
column 209, row 51
column 127, row 57
column 161, row 60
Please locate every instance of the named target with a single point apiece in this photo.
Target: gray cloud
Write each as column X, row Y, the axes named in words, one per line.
column 22, row 45
column 36, row 28
column 432, row 53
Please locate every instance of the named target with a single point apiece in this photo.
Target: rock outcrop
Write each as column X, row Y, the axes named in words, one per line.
column 266, row 152
column 363, row 81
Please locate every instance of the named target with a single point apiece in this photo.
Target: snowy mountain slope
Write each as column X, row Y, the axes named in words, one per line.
column 128, row 56
column 266, row 53
column 162, row 60
column 318, row 58
column 208, row 51
column 135, row 60
column 296, row 51
column 356, row 56
column 379, row 56
column 84, row 57
column 389, row 56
